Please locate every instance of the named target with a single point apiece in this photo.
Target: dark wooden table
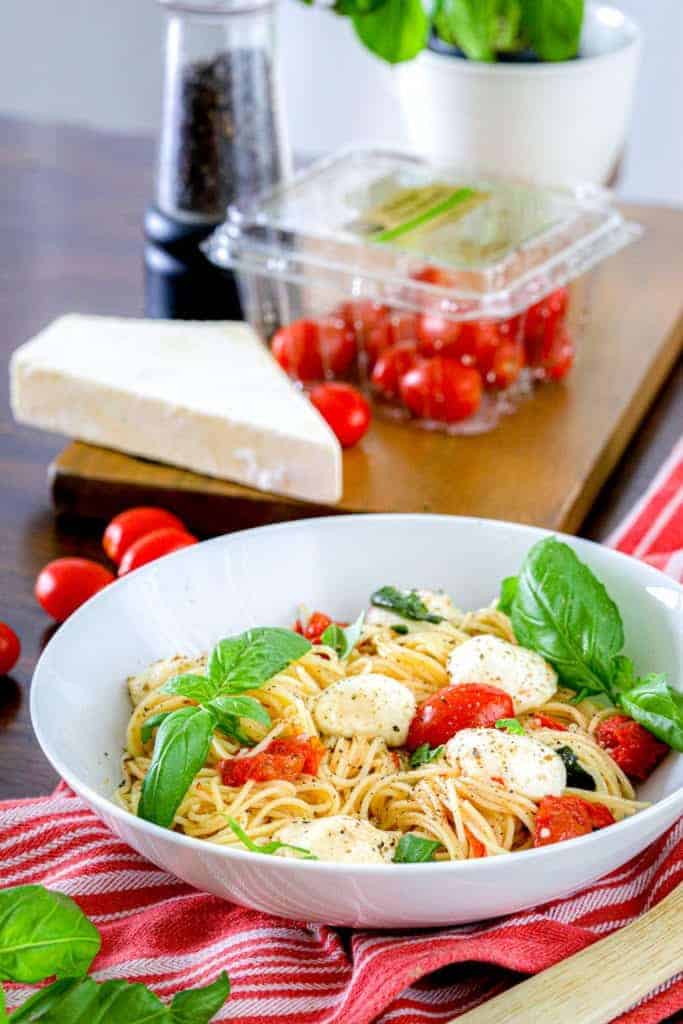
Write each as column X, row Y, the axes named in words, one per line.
column 71, row 207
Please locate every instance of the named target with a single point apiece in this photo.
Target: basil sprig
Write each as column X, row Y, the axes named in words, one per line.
column 343, row 639
column 425, row 754
column 236, row 664
column 577, row 776
column 560, row 609
column 397, row 30
column 44, row 934
column 410, row 605
column 414, row 849
column 267, row 848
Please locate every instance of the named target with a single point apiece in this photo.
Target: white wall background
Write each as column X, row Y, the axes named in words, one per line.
column 99, row 62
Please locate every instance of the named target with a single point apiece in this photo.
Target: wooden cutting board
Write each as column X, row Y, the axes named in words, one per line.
column 542, row 465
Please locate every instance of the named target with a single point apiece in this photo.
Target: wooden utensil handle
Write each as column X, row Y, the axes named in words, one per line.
column 597, row 984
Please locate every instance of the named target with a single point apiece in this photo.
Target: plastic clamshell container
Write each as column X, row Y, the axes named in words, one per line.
column 446, row 296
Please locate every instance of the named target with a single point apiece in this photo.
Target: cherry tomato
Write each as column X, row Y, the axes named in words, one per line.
column 345, row 409
column 545, row 722
column 542, row 322
column 442, row 389
column 636, row 751
column 65, row 584
column 392, row 365
column 361, row 316
column 10, row 648
column 285, row 758
column 129, row 526
column 378, row 340
column 561, row 357
column 468, row 706
column 434, row 275
column 154, row 545
column 437, row 335
column 315, row 627
column 310, row 349
column 566, row 817
column 506, row 366
column 477, row 848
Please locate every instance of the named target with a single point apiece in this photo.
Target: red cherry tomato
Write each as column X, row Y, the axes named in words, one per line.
column 442, row 389
column 434, row 275
column 636, row 751
column 404, row 326
column 65, row 584
column 392, row 365
column 314, row 628
column 154, row 545
column 361, row 316
column 10, row 648
column 566, row 817
column 545, row 722
column 312, row 349
column 468, row 706
column 542, row 322
column 129, row 526
column 437, row 335
column 508, row 360
column 285, row 758
column 561, row 357
column 345, row 409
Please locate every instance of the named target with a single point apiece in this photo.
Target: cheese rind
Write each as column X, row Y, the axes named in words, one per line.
column 205, row 397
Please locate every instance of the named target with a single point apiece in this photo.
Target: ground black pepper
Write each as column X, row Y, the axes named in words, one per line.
column 224, row 139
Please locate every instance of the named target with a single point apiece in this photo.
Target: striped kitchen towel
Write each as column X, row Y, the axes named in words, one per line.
column 157, row 930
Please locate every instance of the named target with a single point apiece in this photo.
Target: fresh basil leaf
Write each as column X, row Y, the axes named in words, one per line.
column 268, row 848
column 229, row 710
column 195, row 687
column 414, row 849
column 562, row 611
column 657, row 707
column 74, row 1000
column 343, row 639
column 509, row 31
column 410, row 605
column 396, row 30
column 127, row 1003
column 351, row 7
column 510, row 725
column 245, row 662
column 471, row 25
column 151, row 723
column 508, row 592
column 180, row 750
column 198, row 1005
column 400, row 629
column 4, row 1019
column 43, row 933
column 554, row 27
column 577, row 776
column 424, row 754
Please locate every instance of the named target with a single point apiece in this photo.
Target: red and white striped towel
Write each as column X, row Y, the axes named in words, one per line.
column 157, row 930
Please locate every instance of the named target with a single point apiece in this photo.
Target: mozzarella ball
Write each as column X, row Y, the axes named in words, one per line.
column 366, row 705
column 523, row 674
column 524, row 764
column 340, row 838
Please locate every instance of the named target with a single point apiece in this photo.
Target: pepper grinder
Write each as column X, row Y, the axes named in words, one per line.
column 222, row 140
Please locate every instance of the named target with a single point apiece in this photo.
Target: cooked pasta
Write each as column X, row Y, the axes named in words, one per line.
column 363, row 776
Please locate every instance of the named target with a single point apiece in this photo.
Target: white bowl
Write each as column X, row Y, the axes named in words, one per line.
column 187, row 601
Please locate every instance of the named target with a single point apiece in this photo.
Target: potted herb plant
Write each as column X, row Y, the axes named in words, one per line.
column 540, row 89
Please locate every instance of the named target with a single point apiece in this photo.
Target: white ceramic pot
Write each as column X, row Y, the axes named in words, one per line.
column 552, row 123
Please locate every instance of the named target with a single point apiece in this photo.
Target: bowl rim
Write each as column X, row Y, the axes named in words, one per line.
column 110, row 808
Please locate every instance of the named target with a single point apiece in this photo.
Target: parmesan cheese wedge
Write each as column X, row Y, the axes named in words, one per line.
column 204, row 396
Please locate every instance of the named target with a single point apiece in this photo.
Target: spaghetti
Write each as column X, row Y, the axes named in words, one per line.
column 361, row 776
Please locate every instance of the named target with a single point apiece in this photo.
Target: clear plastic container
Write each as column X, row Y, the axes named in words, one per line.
column 444, row 295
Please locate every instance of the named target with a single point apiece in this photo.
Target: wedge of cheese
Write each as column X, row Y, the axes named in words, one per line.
column 204, row 396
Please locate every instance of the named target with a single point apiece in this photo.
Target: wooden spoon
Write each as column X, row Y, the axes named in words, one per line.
column 597, row 984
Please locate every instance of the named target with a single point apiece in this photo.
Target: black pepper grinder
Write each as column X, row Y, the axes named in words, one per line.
column 221, row 140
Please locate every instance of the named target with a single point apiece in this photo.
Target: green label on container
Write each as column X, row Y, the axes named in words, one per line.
column 410, row 210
